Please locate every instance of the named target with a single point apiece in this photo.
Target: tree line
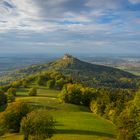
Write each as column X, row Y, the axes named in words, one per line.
column 121, row 106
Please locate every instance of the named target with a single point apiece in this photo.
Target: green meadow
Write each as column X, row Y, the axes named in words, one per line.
column 72, row 122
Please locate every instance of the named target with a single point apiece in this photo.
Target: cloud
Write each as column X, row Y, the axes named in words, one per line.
column 74, row 23
column 134, row 1
column 17, row 13
column 102, row 4
column 46, row 15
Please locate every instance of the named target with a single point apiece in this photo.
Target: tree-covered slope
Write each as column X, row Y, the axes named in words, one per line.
column 83, row 72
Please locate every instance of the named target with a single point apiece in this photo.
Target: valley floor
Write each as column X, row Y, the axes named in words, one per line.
column 72, row 122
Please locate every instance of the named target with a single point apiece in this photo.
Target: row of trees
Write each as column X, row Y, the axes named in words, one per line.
column 53, row 80
column 121, row 106
column 111, row 102
column 50, row 79
column 77, row 94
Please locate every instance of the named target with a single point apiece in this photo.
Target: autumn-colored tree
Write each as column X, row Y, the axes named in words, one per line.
column 38, row 124
column 10, row 119
column 11, row 91
column 32, row 92
column 129, row 120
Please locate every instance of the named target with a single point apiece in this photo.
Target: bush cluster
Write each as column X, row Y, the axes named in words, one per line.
column 20, row 116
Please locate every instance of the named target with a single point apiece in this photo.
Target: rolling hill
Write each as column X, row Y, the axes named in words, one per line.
column 90, row 74
column 73, row 122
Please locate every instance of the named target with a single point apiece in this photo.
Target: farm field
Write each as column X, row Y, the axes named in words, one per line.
column 72, row 122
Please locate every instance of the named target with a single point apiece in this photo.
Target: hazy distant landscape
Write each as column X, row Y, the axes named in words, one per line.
column 127, row 63
column 13, row 62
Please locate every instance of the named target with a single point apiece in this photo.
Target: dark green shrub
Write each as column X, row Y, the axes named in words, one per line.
column 41, row 80
column 3, row 99
column 11, row 91
column 32, row 92
column 24, row 83
column 59, row 83
column 10, row 98
column 50, row 84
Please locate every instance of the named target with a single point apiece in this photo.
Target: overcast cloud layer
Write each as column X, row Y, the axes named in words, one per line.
column 72, row 26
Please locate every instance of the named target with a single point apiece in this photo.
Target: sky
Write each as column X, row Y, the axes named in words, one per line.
column 70, row 26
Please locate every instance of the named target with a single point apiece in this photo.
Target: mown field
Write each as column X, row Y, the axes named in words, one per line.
column 72, row 122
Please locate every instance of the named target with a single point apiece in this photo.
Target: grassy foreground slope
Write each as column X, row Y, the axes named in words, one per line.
column 72, row 122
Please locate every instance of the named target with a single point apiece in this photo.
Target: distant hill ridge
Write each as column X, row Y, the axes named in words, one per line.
column 83, row 72
column 70, row 62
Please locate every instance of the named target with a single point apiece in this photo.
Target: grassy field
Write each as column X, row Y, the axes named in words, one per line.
column 133, row 70
column 72, row 122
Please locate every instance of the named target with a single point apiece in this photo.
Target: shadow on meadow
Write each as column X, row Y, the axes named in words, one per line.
column 84, row 132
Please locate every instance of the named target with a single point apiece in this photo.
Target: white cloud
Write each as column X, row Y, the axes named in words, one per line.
column 21, row 15
column 25, row 15
column 89, row 28
column 52, row 15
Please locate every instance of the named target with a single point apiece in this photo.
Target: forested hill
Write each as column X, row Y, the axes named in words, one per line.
column 90, row 74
